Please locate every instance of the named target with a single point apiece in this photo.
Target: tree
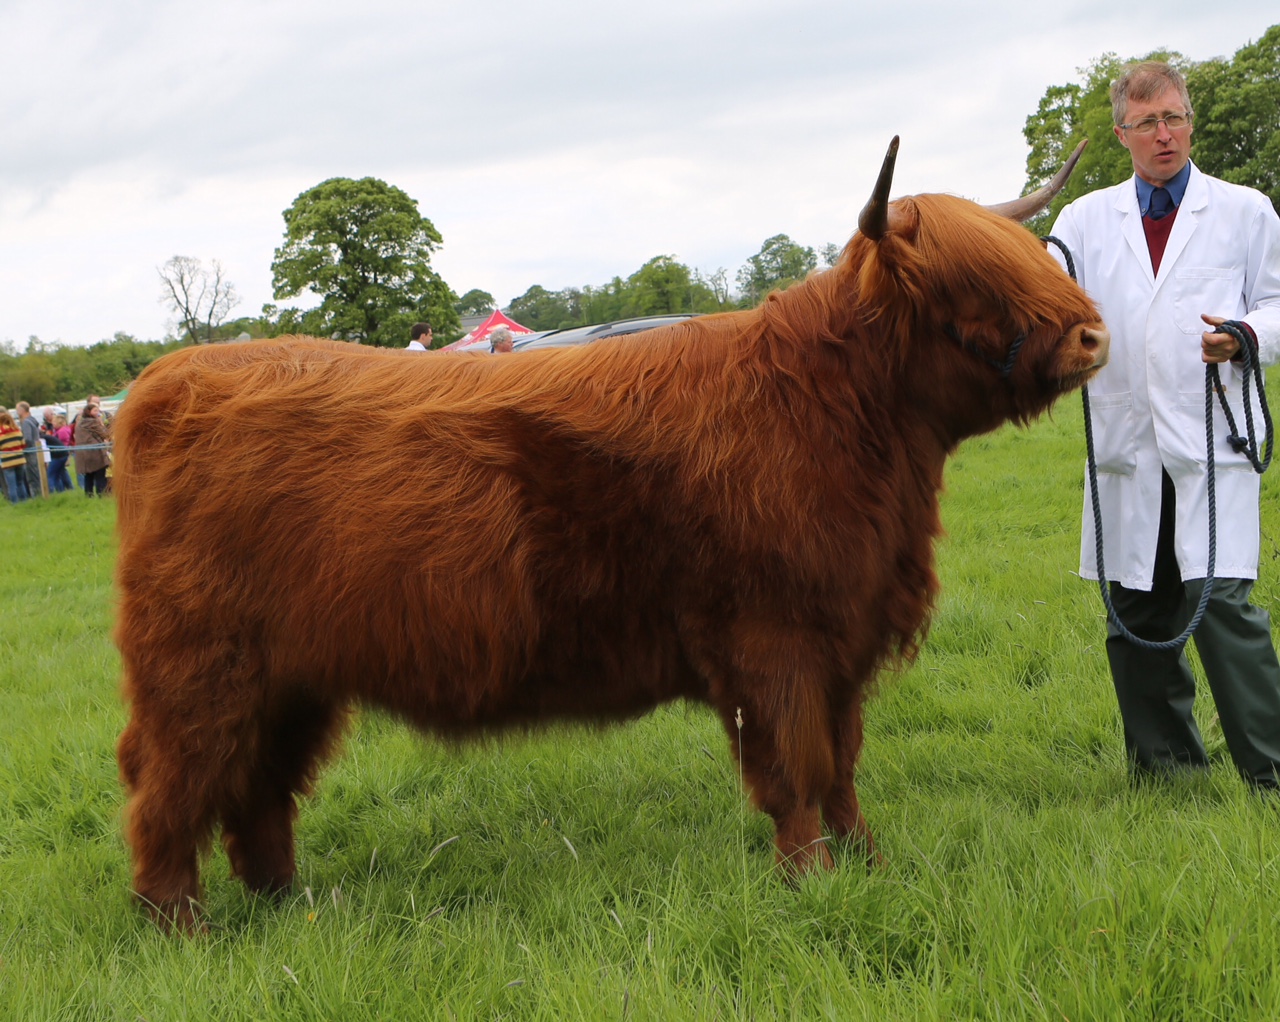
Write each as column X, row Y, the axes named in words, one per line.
column 365, row 250
column 717, row 286
column 601, row 304
column 662, row 285
column 540, row 309
column 779, row 263
column 476, row 303
column 30, row 379
column 1237, row 125
column 201, row 298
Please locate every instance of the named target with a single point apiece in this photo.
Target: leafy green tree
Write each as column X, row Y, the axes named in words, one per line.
column 779, row 263
column 540, row 309
column 30, row 379
column 601, row 304
column 662, row 285
column 277, row 322
column 476, row 303
column 364, row 248
column 1237, row 125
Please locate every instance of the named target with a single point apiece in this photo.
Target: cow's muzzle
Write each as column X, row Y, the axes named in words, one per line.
column 1095, row 341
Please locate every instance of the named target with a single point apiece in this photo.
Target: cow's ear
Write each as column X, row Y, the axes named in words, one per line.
column 891, row 269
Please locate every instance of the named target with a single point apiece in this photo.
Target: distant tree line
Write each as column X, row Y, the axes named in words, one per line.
column 665, row 285
column 47, row 373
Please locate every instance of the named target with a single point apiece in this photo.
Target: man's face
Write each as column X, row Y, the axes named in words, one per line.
column 1159, row 155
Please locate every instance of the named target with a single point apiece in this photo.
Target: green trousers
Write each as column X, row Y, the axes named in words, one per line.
column 1156, row 690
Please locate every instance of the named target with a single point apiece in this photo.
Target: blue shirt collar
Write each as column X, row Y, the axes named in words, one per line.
column 1177, row 188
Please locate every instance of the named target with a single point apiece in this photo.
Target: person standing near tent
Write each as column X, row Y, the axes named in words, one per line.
column 1164, row 255
column 501, row 340
column 419, row 337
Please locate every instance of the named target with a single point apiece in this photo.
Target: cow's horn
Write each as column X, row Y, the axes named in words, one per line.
column 1029, row 205
column 873, row 221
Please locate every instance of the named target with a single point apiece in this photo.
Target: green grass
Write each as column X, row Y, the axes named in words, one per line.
column 618, row 874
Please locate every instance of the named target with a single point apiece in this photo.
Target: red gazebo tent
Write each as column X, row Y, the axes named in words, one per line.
column 498, row 318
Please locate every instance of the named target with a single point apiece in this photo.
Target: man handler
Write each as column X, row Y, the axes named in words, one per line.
column 1164, row 254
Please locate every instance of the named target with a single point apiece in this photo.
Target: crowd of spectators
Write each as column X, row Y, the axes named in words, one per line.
column 53, row 441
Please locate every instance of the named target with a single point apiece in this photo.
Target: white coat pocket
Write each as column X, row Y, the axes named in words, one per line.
column 1115, row 440
column 1205, row 289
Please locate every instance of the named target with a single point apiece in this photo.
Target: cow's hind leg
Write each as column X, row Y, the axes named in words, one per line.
column 840, row 806
column 257, row 828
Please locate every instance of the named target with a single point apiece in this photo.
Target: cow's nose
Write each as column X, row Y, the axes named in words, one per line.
column 1097, row 341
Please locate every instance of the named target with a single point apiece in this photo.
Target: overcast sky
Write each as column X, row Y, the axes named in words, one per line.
column 556, row 143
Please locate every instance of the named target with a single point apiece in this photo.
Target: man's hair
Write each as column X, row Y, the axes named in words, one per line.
column 23, row 406
column 1143, row 82
column 418, row 330
column 499, row 334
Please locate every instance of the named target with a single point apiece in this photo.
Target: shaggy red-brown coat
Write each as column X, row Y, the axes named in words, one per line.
column 738, row 510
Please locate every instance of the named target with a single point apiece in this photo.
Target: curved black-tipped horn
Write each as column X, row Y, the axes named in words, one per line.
column 1029, row 205
column 873, row 221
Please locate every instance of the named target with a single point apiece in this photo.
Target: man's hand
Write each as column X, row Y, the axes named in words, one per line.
column 1215, row 347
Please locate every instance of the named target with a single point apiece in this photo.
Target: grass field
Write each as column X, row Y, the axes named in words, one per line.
column 619, row 874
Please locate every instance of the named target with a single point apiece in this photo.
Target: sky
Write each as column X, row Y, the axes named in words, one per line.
column 559, row 143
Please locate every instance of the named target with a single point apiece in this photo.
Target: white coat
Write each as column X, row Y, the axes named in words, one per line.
column 1223, row 259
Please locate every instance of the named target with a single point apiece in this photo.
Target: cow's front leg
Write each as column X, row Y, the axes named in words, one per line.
column 840, row 806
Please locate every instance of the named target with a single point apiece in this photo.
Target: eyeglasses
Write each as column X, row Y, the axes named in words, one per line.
column 1148, row 124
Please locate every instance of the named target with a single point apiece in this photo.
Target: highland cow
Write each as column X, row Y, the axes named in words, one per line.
column 738, row 510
